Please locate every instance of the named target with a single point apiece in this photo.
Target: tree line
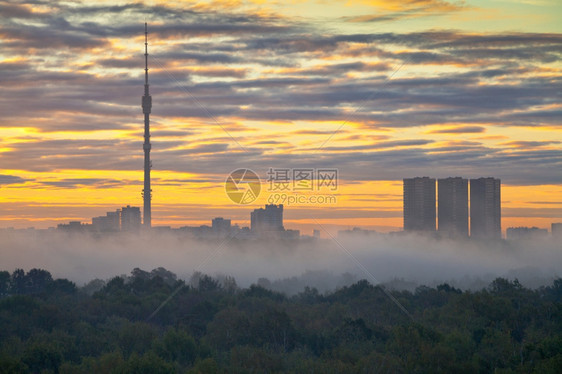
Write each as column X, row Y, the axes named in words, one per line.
column 211, row 325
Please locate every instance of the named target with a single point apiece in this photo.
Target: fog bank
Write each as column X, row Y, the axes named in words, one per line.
column 401, row 261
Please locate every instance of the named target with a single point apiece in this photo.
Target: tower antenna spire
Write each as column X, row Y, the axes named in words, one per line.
column 146, row 109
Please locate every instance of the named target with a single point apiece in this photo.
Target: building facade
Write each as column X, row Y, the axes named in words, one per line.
column 110, row 222
column 556, row 230
column 130, row 218
column 525, row 233
column 485, row 208
column 268, row 220
column 419, row 204
column 221, row 227
column 452, row 206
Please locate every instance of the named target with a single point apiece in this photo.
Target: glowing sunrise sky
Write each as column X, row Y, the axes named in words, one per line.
column 380, row 90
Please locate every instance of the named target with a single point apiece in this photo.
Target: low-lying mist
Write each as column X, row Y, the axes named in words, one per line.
column 399, row 261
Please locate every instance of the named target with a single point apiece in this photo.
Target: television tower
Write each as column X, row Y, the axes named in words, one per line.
column 146, row 107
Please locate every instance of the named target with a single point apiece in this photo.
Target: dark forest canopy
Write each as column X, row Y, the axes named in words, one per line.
column 212, row 326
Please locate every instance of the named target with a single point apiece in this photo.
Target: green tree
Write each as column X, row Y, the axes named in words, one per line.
column 40, row 356
column 148, row 363
column 62, row 286
column 206, row 366
column 93, row 286
column 4, row 283
column 37, row 280
column 177, row 346
column 10, row 365
column 167, row 276
column 136, row 337
column 18, row 282
column 230, row 327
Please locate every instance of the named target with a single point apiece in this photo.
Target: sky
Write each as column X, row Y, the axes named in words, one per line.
column 379, row 90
